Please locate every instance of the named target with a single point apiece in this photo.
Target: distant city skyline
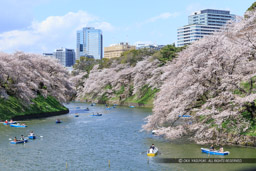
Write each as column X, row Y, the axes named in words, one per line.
column 41, row 26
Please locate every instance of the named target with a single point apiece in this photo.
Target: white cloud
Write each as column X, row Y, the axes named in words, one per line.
column 53, row 32
column 162, row 16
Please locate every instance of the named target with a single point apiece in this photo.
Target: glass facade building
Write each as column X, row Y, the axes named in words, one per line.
column 79, row 44
column 201, row 23
column 89, row 43
column 65, row 56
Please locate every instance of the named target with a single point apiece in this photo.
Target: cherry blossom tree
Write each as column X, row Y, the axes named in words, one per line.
column 26, row 76
column 213, row 80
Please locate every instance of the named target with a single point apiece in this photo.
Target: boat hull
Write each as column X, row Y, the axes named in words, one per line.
column 97, row 115
column 9, row 123
column 18, row 126
column 19, row 142
column 206, row 150
column 153, row 154
column 185, row 116
column 32, row 137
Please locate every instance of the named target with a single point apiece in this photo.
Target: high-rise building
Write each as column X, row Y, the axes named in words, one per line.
column 89, row 43
column 65, row 56
column 201, row 23
column 115, row 51
column 79, row 44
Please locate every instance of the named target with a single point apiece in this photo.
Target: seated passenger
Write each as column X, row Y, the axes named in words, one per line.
column 152, row 146
column 212, row 148
column 221, row 150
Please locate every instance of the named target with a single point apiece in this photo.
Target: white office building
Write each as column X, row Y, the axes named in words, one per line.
column 201, row 23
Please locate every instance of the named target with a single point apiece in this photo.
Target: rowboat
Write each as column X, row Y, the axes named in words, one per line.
column 215, row 152
column 58, row 121
column 152, row 153
column 132, row 106
column 8, row 123
column 184, row 116
column 18, row 125
column 32, row 137
column 76, row 115
column 19, row 141
column 99, row 114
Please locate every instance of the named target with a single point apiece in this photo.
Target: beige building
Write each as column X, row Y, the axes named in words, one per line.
column 115, row 51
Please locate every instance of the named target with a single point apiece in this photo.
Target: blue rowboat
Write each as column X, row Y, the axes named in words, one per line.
column 96, row 115
column 132, row 106
column 76, row 115
column 215, row 152
column 31, row 137
column 18, row 126
column 58, row 121
column 8, row 123
column 185, row 116
column 108, row 108
column 19, row 141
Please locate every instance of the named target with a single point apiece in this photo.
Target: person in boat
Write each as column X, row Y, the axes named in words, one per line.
column 6, row 122
column 31, row 133
column 58, row 120
column 22, row 138
column 212, row 148
column 11, row 121
column 15, row 139
column 221, row 150
column 152, row 147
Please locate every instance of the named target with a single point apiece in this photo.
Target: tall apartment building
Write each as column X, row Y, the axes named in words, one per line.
column 65, row 56
column 115, row 51
column 89, row 42
column 201, row 23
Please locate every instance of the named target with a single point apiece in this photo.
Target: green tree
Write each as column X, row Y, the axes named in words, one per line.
column 85, row 64
column 252, row 7
column 167, row 53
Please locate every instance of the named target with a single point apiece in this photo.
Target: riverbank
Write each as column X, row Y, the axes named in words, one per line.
column 13, row 108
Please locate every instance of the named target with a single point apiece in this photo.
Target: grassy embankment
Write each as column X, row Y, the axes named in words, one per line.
column 13, row 107
column 144, row 98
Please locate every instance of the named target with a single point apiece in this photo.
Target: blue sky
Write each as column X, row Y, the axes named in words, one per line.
column 43, row 25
